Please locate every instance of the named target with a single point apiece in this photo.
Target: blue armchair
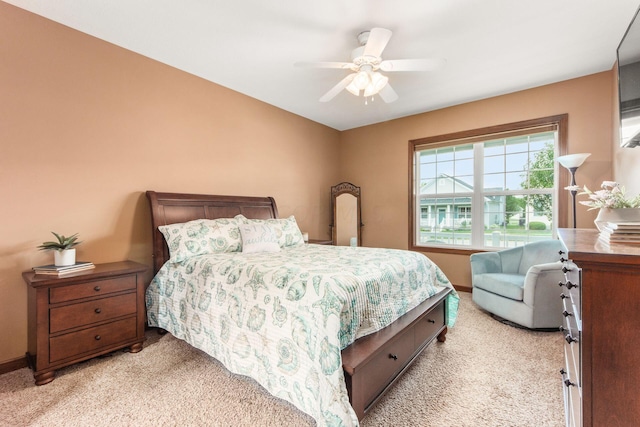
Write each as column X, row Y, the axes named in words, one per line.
column 521, row 284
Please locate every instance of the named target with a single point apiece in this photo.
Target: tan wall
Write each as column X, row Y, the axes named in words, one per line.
column 376, row 157
column 87, row 127
column 110, row 124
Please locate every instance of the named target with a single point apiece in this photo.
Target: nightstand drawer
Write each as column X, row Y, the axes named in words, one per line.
column 90, row 289
column 429, row 326
column 91, row 339
column 85, row 313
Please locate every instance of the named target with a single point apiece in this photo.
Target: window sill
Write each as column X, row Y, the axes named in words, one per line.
column 443, row 250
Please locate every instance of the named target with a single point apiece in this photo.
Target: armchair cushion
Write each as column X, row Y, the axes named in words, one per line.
column 507, row 285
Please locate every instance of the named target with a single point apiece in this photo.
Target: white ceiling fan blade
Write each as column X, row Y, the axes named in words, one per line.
column 340, row 65
column 337, row 88
column 378, row 39
column 412, row 64
column 388, row 94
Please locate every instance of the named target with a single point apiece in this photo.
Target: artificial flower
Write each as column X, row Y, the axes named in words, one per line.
column 611, row 196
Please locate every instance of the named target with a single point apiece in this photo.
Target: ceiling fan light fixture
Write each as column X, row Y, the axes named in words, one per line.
column 370, row 90
column 351, row 87
column 378, row 81
column 361, row 80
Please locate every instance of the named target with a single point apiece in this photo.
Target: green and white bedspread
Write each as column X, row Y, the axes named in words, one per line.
column 282, row 318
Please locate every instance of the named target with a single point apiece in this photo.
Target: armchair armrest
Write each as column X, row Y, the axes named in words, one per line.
column 542, row 279
column 485, row 262
column 537, row 269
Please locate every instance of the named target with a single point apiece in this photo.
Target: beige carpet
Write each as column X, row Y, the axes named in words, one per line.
column 486, row 374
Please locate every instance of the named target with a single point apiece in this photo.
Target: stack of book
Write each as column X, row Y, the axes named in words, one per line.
column 56, row 270
column 621, row 232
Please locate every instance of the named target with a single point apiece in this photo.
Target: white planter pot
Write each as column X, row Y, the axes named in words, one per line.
column 616, row 215
column 64, row 257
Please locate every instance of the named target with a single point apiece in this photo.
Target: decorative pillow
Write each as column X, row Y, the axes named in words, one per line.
column 259, row 238
column 200, row 237
column 286, row 229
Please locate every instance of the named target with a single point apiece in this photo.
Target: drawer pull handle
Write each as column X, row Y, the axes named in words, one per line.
column 563, row 296
column 571, row 285
column 98, row 310
column 570, row 339
column 393, row 356
column 431, row 321
column 567, row 382
column 561, row 284
column 98, row 337
column 566, row 313
column 96, row 288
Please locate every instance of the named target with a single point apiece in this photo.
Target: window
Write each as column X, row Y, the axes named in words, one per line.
column 488, row 188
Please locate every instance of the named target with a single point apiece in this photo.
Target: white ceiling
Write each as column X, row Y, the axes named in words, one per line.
column 492, row 47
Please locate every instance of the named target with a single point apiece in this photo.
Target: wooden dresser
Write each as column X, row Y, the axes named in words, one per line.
column 604, row 354
column 80, row 316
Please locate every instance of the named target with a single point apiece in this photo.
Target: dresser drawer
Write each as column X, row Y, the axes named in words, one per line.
column 85, row 313
column 388, row 361
column 570, row 315
column 427, row 328
column 91, row 339
column 90, row 289
column 571, row 386
column 572, row 360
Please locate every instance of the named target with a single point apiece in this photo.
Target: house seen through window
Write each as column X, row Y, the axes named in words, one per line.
column 493, row 191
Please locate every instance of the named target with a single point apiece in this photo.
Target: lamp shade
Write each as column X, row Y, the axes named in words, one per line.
column 361, row 80
column 573, row 160
column 351, row 87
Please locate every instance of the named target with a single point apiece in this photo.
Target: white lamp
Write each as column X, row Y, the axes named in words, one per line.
column 572, row 162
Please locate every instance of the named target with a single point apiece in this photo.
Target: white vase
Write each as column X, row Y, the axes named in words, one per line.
column 616, row 215
column 64, row 257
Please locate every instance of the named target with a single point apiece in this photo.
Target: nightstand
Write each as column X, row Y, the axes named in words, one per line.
column 320, row 242
column 83, row 315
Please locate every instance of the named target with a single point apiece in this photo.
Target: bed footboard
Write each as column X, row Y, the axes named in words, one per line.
column 374, row 363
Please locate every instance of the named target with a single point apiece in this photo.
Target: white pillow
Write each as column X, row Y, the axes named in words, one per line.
column 286, row 229
column 200, row 237
column 258, row 238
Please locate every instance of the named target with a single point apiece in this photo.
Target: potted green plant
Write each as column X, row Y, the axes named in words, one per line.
column 64, row 249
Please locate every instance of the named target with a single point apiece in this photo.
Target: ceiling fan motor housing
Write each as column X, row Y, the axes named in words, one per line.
column 358, row 58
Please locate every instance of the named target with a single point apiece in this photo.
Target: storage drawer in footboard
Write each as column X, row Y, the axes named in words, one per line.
column 385, row 365
column 429, row 326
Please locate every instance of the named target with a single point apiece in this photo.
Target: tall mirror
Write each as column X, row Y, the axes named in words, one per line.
column 346, row 222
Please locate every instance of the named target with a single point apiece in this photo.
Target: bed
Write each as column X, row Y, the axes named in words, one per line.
column 327, row 328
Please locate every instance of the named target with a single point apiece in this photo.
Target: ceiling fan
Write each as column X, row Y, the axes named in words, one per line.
column 366, row 66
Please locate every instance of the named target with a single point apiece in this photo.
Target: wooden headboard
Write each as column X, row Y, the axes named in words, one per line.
column 171, row 208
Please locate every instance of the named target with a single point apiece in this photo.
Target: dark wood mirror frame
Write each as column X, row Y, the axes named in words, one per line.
column 337, row 190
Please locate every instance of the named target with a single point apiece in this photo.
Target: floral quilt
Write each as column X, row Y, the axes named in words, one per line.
column 283, row 317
